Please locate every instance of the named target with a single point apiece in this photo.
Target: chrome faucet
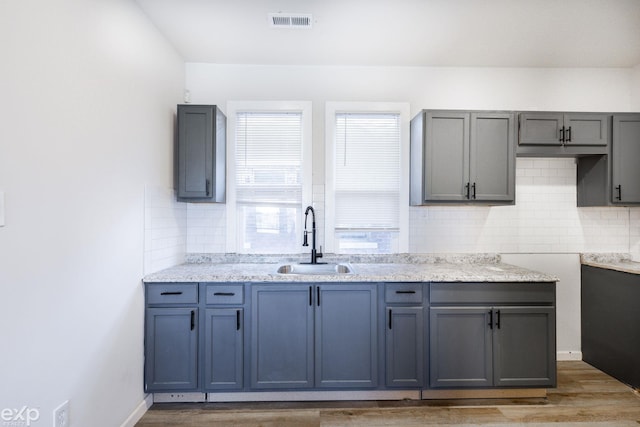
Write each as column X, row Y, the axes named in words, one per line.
column 314, row 253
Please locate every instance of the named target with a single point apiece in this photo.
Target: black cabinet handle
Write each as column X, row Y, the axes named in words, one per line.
column 467, row 189
column 405, row 292
column 224, row 294
column 562, row 134
column 390, row 319
column 619, row 190
column 474, row 190
column 498, row 319
column 318, row 288
column 490, row 319
column 193, row 319
column 207, row 185
column 568, row 134
column 237, row 320
column 310, row 296
column 171, row 293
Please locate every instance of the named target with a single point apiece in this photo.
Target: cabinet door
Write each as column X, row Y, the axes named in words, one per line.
column 346, row 336
column 492, row 158
column 446, row 156
column 195, row 151
column 625, row 155
column 541, row 128
column 524, row 346
column 223, row 348
column 460, row 343
column 171, row 359
column 281, row 336
column 586, row 129
column 405, row 347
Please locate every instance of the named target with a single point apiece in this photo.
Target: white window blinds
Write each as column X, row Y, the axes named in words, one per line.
column 269, row 157
column 268, row 181
column 367, row 171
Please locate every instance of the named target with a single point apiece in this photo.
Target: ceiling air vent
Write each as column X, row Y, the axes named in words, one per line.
column 290, row 20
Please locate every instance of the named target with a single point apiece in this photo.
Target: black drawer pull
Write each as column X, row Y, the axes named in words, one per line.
column 405, row 292
column 390, row 319
column 619, row 190
column 498, row 319
column 171, row 293
column 490, row 324
column 224, row 294
column 237, row 320
column 193, row 319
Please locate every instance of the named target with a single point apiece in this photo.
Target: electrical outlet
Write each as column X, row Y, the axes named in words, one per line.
column 61, row 415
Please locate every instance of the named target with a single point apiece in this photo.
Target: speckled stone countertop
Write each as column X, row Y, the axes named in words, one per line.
column 367, row 268
column 613, row 261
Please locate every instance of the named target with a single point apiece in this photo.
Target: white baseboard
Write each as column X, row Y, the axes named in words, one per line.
column 563, row 356
column 140, row 410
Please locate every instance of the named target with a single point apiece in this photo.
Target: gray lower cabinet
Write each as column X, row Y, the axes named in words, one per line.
column 171, row 349
column 322, row 336
column 346, row 336
column 459, row 156
column 507, row 343
column 611, row 322
column 223, row 348
column 405, row 347
column 282, row 336
column 223, row 332
column 404, row 335
column 556, row 133
column 201, row 154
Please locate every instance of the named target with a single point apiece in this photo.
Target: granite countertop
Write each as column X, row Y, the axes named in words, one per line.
column 612, row 261
column 394, row 268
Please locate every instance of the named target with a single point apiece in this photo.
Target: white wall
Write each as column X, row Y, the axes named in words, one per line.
column 544, row 230
column 635, row 89
column 88, row 91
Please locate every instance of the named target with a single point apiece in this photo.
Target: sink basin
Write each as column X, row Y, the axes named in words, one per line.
column 329, row 268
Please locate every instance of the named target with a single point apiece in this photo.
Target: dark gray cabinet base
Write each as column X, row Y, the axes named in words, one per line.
column 611, row 323
column 362, row 338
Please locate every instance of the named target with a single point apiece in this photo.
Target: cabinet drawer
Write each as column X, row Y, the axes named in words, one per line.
column 172, row 293
column 493, row 293
column 403, row 293
column 224, row 294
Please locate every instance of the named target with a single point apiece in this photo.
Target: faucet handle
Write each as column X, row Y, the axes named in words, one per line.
column 319, row 254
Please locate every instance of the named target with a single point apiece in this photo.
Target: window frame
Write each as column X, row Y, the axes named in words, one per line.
column 234, row 107
column 333, row 108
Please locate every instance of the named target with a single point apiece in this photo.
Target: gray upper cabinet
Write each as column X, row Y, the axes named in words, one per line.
column 563, row 134
column 201, row 154
column 462, row 157
column 613, row 179
column 625, row 158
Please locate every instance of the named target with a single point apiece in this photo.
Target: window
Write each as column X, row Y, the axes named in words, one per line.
column 271, row 177
column 366, row 204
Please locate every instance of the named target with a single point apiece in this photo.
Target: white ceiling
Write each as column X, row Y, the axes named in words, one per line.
column 501, row 33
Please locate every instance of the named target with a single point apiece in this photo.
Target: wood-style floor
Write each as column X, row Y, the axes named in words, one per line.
column 585, row 397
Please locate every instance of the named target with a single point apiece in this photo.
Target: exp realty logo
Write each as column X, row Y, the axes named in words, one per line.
column 18, row 417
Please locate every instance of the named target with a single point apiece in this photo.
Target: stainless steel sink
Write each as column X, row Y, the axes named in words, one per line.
column 329, row 268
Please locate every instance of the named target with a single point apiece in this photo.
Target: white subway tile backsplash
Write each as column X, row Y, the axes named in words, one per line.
column 545, row 219
column 165, row 233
